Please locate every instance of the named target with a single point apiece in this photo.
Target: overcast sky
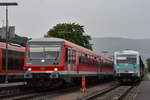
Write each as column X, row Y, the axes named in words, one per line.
column 101, row 18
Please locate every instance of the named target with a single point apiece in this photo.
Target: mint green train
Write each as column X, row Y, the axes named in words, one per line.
column 128, row 66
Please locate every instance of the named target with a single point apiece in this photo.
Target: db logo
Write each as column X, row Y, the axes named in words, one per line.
column 42, row 68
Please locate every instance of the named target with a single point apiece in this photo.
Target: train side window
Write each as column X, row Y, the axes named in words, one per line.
column 3, row 59
column 80, row 58
column 20, row 64
column 99, row 60
column 16, row 64
column 66, row 54
column 9, row 63
column 10, row 53
column 73, row 56
column 89, row 60
column 85, row 59
column 13, row 64
column 69, row 55
column 4, row 62
column 95, row 61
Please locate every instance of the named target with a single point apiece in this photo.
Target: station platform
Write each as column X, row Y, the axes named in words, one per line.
column 3, row 85
column 144, row 91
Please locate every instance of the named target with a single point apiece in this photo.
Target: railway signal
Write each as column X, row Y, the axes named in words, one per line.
column 83, row 83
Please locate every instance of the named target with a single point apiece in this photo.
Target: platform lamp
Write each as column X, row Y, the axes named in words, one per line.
column 6, row 4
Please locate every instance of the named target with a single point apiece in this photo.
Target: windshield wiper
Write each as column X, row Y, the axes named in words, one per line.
column 44, row 53
column 57, row 55
column 29, row 54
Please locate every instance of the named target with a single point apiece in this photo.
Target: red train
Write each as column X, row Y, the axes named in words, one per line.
column 51, row 59
column 15, row 62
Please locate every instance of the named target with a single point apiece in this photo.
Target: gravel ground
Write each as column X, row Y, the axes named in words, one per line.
column 79, row 94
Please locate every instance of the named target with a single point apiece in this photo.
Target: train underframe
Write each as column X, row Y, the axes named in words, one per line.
column 55, row 79
column 11, row 78
column 127, row 77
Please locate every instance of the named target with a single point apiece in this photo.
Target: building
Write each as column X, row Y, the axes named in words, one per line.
column 11, row 32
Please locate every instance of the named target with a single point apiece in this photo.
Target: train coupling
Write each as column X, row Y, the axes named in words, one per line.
column 54, row 74
column 27, row 75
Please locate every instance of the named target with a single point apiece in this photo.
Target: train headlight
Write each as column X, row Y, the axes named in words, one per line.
column 55, row 69
column 42, row 60
column 29, row 69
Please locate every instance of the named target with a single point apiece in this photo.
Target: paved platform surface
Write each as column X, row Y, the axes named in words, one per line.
column 144, row 92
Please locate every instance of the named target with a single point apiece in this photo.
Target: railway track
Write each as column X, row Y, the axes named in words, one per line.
column 11, row 92
column 40, row 95
column 9, row 89
column 113, row 91
column 118, row 92
column 15, row 91
column 47, row 94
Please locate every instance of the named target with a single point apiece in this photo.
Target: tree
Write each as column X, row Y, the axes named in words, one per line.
column 72, row 32
column 148, row 64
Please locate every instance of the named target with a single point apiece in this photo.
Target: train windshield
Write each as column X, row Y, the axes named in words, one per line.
column 126, row 59
column 44, row 51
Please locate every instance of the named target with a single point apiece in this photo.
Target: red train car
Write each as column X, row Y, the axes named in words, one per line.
column 15, row 62
column 53, row 58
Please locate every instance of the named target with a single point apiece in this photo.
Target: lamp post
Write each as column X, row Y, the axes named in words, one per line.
column 7, row 29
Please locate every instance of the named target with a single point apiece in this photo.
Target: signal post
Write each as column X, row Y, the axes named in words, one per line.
column 83, row 89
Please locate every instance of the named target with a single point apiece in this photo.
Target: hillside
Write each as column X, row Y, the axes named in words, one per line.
column 114, row 44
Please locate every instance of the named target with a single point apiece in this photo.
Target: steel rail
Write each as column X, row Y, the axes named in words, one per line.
column 98, row 93
column 118, row 92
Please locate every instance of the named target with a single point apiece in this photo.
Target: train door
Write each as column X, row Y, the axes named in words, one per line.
column 69, row 59
column 3, row 60
column 79, row 62
column 74, row 61
column 99, row 65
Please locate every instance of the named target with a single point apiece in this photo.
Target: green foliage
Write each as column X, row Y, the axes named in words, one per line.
column 71, row 32
column 148, row 64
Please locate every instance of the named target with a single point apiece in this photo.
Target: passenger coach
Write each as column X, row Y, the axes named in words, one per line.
column 55, row 59
column 15, row 62
column 128, row 66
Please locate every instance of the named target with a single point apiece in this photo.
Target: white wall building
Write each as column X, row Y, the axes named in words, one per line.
column 11, row 32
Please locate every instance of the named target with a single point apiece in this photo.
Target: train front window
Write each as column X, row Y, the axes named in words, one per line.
column 126, row 59
column 44, row 51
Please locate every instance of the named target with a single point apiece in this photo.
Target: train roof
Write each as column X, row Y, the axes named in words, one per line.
column 87, row 50
column 47, row 40
column 12, row 46
column 127, row 52
column 69, row 43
